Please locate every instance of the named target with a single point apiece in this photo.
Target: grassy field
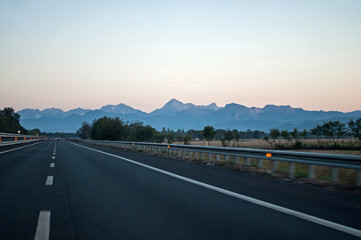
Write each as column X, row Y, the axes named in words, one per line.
column 261, row 144
column 322, row 174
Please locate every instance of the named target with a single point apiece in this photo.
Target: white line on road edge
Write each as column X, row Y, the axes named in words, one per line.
column 291, row 212
column 49, row 180
column 52, row 164
column 19, row 148
column 43, row 228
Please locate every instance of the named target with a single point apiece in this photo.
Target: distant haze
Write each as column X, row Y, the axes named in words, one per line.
column 87, row 54
column 178, row 115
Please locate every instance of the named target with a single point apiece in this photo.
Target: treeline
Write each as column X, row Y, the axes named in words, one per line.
column 106, row 128
column 331, row 135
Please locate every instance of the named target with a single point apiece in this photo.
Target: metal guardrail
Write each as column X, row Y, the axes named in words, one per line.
column 334, row 161
column 11, row 138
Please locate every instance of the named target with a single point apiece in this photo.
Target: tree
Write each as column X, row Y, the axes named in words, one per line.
column 317, row 131
column 84, row 131
column 145, row 133
column 274, row 133
column 187, row 140
column 236, row 134
column 286, row 135
column 35, row 131
column 355, row 128
column 340, row 129
column 327, row 130
column 303, row 135
column 106, row 128
column 266, row 138
column 10, row 121
column 295, row 134
column 208, row 133
column 229, row 136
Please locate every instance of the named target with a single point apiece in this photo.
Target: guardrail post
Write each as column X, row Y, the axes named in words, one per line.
column 311, row 171
column 218, row 157
column 359, row 178
column 291, row 171
column 196, row 154
column 334, row 174
column 248, row 161
column 226, row 158
column 260, row 163
column 238, row 160
column 210, row 156
column 184, row 153
column 274, row 165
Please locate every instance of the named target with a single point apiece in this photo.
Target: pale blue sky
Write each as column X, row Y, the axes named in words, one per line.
column 88, row 54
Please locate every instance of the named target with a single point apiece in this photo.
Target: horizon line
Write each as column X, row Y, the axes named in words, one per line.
column 270, row 104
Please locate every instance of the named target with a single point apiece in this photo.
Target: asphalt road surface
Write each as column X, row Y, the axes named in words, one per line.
column 63, row 190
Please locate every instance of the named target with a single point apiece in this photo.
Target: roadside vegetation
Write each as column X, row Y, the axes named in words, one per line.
column 107, row 128
column 331, row 135
column 10, row 123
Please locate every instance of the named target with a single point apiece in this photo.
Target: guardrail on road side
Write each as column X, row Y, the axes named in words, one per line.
column 11, row 138
column 334, row 161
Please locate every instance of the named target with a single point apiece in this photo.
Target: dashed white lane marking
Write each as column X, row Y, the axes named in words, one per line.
column 43, row 228
column 52, row 164
column 52, row 157
column 53, row 153
column 49, row 180
column 19, row 148
column 275, row 207
column 55, row 147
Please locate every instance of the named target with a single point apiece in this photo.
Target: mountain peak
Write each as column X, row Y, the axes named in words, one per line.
column 170, row 108
column 174, row 102
column 271, row 107
column 120, row 108
column 51, row 111
column 212, row 106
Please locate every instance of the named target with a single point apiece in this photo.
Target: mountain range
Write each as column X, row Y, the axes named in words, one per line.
column 177, row 115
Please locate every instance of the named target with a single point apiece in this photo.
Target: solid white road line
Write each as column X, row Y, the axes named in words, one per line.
column 43, row 228
column 291, row 212
column 49, row 180
column 53, row 153
column 52, row 164
column 19, row 148
column 52, row 157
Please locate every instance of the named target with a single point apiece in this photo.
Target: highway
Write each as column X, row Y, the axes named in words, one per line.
column 64, row 190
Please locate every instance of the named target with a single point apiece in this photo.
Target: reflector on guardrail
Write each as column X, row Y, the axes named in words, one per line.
column 16, row 138
column 268, row 155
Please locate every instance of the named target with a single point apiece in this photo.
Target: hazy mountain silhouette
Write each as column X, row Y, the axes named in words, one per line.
column 177, row 115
